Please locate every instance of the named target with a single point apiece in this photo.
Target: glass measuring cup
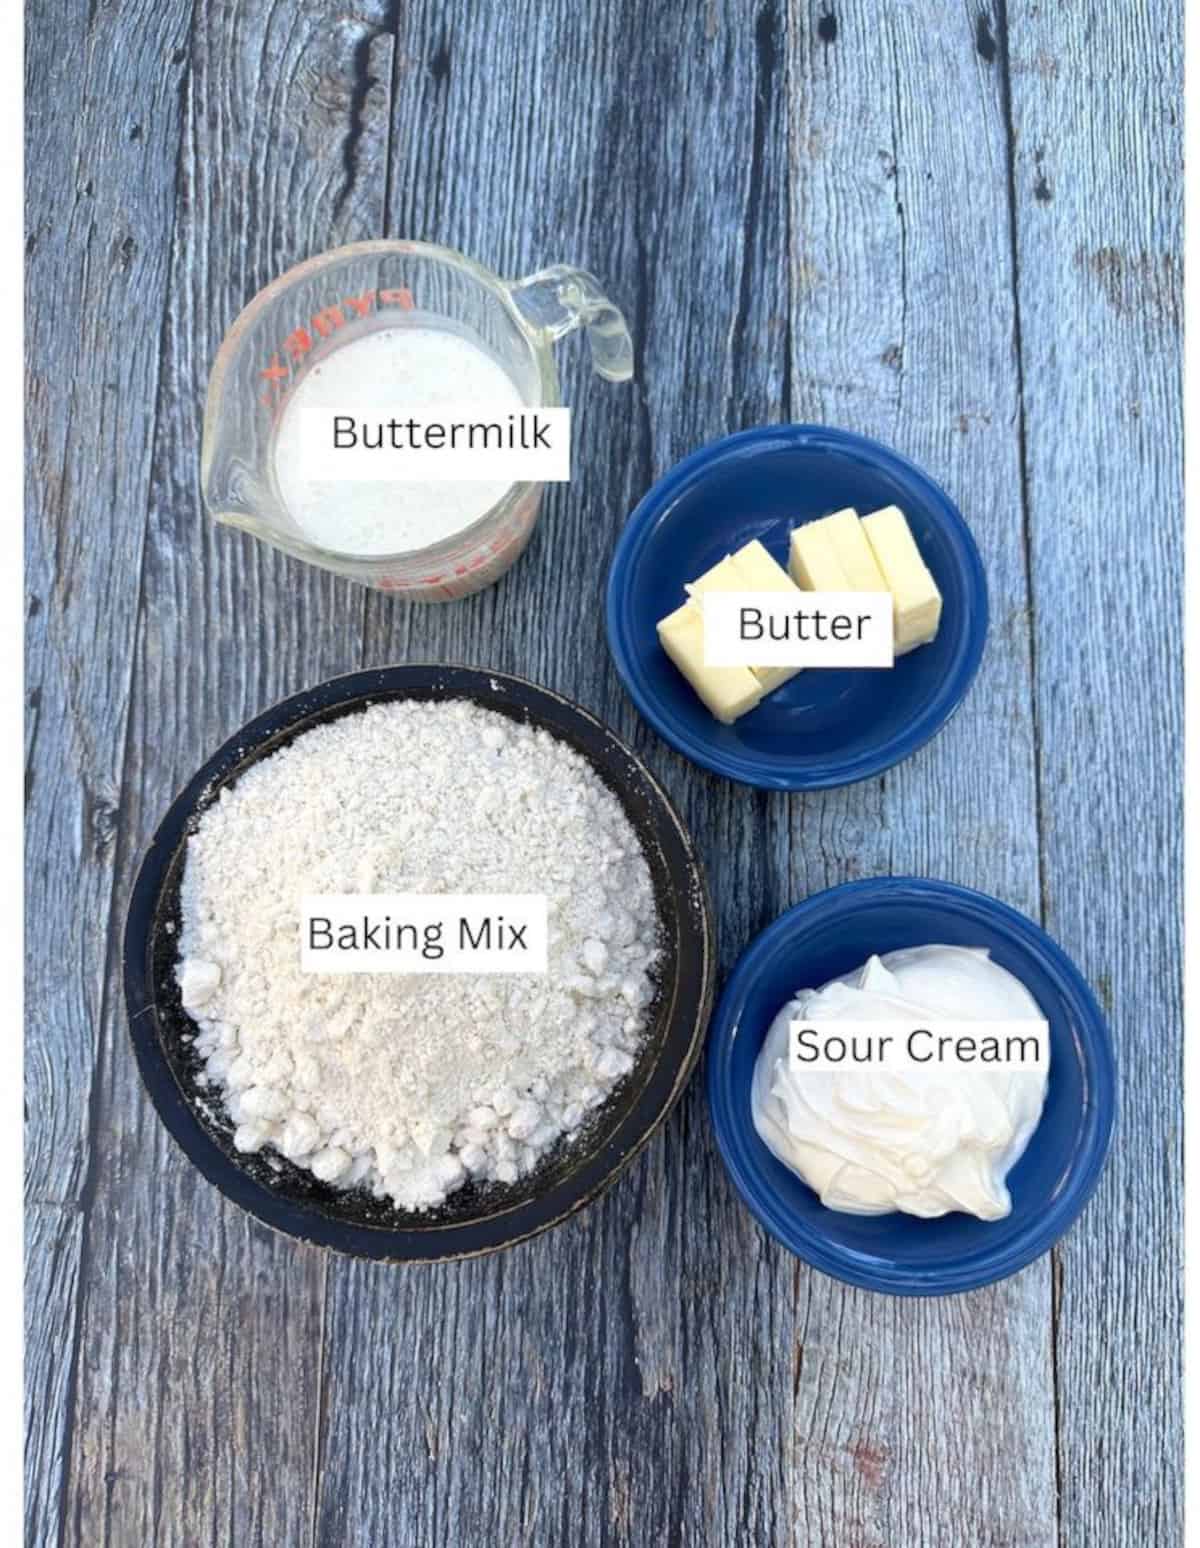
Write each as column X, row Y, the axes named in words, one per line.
column 331, row 300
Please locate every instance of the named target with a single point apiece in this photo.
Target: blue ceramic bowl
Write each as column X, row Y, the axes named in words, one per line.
column 832, row 933
column 825, row 727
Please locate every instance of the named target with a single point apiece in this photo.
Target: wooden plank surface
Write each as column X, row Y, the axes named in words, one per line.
column 1097, row 123
column 100, row 207
column 902, row 327
column 197, row 1401
column 910, row 219
column 578, row 1388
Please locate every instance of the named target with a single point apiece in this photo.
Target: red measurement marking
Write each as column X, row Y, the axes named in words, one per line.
column 325, row 322
column 298, row 343
column 328, row 320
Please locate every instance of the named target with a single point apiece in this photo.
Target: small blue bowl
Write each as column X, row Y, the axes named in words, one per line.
column 825, row 727
column 832, row 933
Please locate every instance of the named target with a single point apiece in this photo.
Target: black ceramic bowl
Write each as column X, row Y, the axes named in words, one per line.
column 476, row 1218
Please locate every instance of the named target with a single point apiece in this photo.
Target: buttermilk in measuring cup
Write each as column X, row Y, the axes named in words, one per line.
column 391, row 372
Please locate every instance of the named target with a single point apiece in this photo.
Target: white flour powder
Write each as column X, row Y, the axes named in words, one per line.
column 410, row 1085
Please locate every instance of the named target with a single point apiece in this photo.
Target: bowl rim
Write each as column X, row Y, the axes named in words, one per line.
column 980, row 1268
column 455, row 1239
column 832, row 772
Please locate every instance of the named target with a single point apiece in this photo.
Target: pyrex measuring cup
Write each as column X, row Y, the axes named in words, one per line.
column 331, row 300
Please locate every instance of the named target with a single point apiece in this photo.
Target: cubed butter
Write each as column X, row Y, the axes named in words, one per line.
column 722, row 577
column 759, row 571
column 727, row 692
column 762, row 573
column 815, row 562
column 917, row 601
column 845, row 532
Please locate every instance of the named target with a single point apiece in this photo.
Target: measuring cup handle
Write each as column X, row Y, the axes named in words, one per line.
column 557, row 300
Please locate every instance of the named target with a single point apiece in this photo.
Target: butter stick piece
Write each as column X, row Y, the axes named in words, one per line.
column 728, row 575
column 853, row 551
column 917, row 601
column 814, row 560
column 727, row 692
column 762, row 573
column 724, row 576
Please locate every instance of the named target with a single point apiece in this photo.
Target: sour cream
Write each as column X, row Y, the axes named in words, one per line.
column 871, row 1141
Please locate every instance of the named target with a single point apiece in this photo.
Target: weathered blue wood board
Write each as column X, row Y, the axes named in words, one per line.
column 954, row 228
column 902, row 326
column 103, row 127
column 1097, row 142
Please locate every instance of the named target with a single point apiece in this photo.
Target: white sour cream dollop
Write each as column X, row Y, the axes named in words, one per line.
column 870, row 1141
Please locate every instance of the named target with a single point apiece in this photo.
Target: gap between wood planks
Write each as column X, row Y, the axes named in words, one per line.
column 1005, row 63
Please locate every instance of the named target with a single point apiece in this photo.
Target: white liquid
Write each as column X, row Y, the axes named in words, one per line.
column 390, row 373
